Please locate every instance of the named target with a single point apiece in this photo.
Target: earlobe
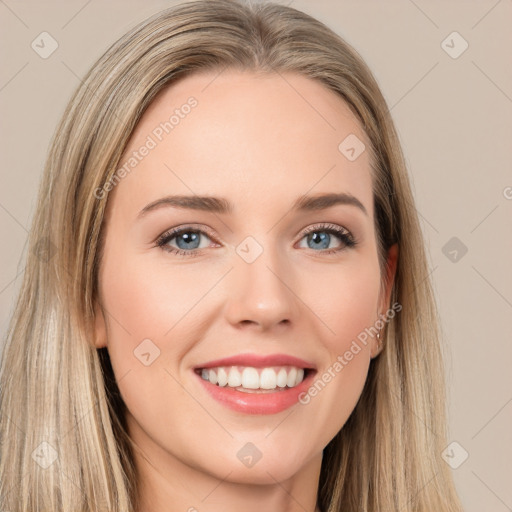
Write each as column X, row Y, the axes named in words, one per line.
column 100, row 328
column 377, row 347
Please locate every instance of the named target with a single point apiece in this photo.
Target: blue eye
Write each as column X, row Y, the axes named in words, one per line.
column 321, row 236
column 188, row 239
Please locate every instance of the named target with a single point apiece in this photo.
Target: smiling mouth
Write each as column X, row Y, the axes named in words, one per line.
column 248, row 379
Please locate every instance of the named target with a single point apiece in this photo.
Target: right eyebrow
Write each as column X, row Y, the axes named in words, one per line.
column 206, row 203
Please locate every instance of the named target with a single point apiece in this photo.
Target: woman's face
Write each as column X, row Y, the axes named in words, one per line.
column 267, row 273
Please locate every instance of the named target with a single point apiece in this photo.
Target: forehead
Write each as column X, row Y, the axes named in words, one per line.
column 246, row 135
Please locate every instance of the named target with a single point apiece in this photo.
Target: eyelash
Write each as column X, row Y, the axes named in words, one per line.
column 344, row 235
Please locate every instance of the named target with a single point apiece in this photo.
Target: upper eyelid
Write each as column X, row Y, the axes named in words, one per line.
column 326, row 226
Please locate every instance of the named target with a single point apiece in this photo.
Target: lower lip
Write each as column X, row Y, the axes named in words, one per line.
column 257, row 403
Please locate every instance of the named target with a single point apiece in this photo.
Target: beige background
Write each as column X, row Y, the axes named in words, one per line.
column 454, row 117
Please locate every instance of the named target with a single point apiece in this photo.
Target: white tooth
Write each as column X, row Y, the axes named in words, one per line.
column 235, row 378
column 222, row 377
column 282, row 378
column 292, row 375
column 204, row 374
column 268, row 378
column 300, row 376
column 212, row 376
column 250, row 378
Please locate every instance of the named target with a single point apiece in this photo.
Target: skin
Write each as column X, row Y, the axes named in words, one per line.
column 260, row 142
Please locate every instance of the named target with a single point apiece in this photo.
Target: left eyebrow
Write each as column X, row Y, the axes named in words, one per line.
column 222, row 205
column 323, row 201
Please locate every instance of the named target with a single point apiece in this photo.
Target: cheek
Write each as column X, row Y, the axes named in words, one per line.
column 147, row 298
column 348, row 310
column 346, row 301
column 152, row 322
column 144, row 326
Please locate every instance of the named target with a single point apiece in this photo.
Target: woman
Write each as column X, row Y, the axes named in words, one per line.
column 288, row 361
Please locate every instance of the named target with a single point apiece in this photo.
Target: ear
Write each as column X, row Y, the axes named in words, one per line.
column 385, row 295
column 391, row 265
column 100, row 327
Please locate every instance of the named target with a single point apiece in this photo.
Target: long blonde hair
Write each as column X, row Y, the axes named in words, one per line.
column 58, row 396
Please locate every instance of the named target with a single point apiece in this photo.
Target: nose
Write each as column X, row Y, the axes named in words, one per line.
column 261, row 294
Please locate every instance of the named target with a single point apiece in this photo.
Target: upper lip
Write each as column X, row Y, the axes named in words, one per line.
column 258, row 361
